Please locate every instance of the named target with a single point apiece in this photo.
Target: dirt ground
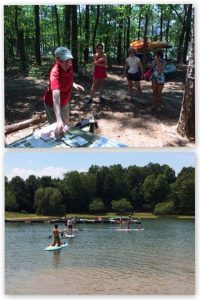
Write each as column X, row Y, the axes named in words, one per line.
column 131, row 123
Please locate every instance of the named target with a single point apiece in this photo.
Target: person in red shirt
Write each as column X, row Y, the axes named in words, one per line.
column 57, row 96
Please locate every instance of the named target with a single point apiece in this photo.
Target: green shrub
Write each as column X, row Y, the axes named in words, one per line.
column 164, row 208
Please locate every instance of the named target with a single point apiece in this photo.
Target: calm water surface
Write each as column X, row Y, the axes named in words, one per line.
column 101, row 260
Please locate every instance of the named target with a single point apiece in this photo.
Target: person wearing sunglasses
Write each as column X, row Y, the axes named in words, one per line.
column 99, row 73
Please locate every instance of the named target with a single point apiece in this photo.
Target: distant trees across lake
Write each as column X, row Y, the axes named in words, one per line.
column 152, row 188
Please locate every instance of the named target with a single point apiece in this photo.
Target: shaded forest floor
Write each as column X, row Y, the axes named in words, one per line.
column 131, row 123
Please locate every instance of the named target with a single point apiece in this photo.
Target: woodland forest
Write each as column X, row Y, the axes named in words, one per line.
column 32, row 32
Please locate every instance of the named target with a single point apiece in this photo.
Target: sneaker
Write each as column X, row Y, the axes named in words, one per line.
column 87, row 100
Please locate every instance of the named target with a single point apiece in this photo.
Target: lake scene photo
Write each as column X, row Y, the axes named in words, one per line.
column 87, row 224
column 102, row 260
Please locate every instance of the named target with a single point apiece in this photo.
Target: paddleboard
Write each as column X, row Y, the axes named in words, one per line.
column 124, row 229
column 53, row 248
column 69, row 235
column 129, row 229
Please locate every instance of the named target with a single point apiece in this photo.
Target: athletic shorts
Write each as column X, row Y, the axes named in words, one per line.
column 51, row 117
column 56, row 241
column 133, row 77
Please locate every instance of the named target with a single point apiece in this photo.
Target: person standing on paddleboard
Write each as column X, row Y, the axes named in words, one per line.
column 56, row 236
column 70, row 226
column 129, row 221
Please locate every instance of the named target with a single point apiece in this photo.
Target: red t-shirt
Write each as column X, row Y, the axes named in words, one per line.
column 59, row 80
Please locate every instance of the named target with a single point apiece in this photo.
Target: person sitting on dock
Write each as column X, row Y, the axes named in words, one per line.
column 56, row 236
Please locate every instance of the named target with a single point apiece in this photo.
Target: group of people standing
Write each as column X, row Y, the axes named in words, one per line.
column 134, row 72
column 57, row 96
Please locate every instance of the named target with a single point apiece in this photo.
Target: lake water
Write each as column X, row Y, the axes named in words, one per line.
column 160, row 260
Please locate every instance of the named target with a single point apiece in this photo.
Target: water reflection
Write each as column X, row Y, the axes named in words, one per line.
column 56, row 258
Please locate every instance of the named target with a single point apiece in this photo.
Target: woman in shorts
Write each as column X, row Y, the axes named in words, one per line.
column 134, row 70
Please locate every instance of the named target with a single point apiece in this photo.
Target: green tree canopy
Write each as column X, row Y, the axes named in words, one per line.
column 122, row 205
column 97, row 205
column 48, row 201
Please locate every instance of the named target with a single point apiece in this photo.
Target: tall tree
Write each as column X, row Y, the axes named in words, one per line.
column 57, row 25
column 87, row 33
column 74, row 37
column 119, row 34
column 67, row 26
column 95, row 28
column 37, row 34
column 186, row 123
column 187, row 32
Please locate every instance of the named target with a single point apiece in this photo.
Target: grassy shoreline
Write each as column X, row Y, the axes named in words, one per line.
column 17, row 216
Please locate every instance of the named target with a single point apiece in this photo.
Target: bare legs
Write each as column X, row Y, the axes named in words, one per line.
column 95, row 83
column 130, row 85
column 157, row 95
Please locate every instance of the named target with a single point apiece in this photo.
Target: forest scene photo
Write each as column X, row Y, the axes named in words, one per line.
column 33, row 32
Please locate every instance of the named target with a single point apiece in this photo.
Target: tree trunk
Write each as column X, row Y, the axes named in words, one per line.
column 119, row 40
column 17, row 29
column 128, row 30
column 87, row 33
column 186, row 123
column 67, row 26
column 95, row 28
column 37, row 34
column 187, row 32
column 144, row 52
column 74, row 37
column 22, row 50
column 57, row 25
column 161, row 23
column 139, row 22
